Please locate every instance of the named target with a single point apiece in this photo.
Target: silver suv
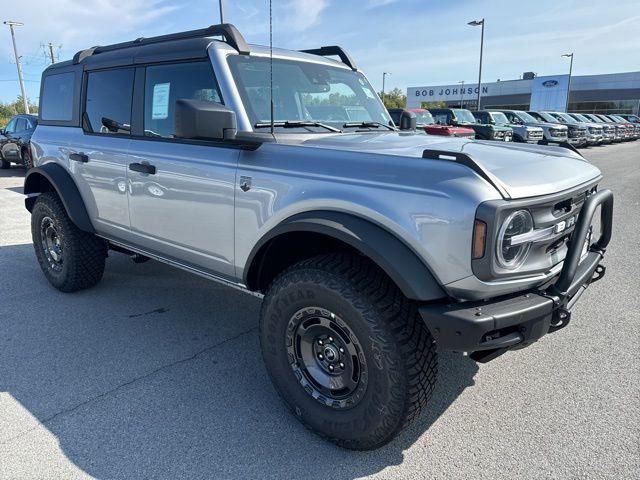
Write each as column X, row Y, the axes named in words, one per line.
column 552, row 132
column 369, row 246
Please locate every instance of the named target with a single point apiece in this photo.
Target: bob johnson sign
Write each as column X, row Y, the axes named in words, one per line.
column 446, row 93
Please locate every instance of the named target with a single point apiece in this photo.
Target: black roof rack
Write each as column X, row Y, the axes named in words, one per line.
column 228, row 31
column 331, row 51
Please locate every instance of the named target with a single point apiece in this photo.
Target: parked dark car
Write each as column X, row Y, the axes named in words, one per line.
column 15, row 139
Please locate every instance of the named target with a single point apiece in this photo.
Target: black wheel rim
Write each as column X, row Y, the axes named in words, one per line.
column 326, row 357
column 51, row 243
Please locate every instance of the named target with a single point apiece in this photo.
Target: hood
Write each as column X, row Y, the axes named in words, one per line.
column 519, row 170
column 547, row 125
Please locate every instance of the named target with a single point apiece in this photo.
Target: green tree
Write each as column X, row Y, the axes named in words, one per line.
column 394, row 98
column 9, row 109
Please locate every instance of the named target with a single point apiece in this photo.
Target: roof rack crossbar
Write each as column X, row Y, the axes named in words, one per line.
column 228, row 31
column 331, row 51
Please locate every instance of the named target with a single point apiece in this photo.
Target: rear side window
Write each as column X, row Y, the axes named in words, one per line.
column 21, row 125
column 57, row 97
column 108, row 101
column 164, row 84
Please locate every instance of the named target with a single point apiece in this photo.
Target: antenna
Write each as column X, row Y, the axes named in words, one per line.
column 271, row 63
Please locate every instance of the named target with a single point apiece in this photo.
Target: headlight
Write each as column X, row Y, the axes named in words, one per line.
column 512, row 255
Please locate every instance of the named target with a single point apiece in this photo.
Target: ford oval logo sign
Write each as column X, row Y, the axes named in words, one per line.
column 550, row 83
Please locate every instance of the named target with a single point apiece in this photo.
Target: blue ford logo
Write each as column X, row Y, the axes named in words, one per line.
column 550, row 83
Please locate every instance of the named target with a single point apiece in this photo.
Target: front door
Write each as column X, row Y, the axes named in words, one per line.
column 181, row 193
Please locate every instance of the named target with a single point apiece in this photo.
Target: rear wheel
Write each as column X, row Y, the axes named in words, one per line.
column 4, row 164
column 27, row 160
column 347, row 352
column 70, row 258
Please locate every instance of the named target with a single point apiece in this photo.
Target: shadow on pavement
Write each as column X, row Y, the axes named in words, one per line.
column 14, row 171
column 157, row 373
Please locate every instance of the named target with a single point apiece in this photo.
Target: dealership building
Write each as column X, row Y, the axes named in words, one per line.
column 608, row 93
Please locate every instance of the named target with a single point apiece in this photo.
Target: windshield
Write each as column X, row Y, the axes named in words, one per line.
column 525, row 117
column 548, row 118
column 580, row 117
column 566, row 117
column 595, row 119
column 500, row 118
column 424, row 118
column 306, row 92
column 464, row 116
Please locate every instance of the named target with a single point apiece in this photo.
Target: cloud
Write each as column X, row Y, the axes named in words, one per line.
column 303, row 14
column 380, row 3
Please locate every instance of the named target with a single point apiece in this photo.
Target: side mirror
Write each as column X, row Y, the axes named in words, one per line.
column 407, row 121
column 203, row 120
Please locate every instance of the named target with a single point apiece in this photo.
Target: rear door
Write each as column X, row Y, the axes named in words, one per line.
column 98, row 156
column 181, row 192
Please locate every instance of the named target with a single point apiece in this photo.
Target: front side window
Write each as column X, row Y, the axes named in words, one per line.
column 108, row 101
column 165, row 84
column 57, row 97
column 441, row 118
column 305, row 92
column 21, row 125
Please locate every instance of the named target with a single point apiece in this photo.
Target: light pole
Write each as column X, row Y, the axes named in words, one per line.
column 221, row 11
column 384, row 76
column 476, row 23
column 566, row 109
column 461, row 82
column 15, row 52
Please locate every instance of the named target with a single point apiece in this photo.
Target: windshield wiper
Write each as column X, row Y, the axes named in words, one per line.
column 297, row 124
column 367, row 125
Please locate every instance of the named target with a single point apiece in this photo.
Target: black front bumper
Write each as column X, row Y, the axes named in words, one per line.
column 490, row 328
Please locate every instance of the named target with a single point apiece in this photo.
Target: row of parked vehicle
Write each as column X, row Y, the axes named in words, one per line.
column 576, row 129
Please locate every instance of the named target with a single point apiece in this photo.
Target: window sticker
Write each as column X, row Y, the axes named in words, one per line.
column 160, row 107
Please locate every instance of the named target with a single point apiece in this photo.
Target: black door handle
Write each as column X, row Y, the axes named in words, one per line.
column 143, row 168
column 79, row 157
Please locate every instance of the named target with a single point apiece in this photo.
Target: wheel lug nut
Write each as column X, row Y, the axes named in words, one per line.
column 331, row 368
column 320, row 342
column 341, row 350
column 320, row 356
column 341, row 365
column 331, row 339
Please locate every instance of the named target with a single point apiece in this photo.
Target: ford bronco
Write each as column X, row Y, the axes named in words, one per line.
column 280, row 173
column 461, row 117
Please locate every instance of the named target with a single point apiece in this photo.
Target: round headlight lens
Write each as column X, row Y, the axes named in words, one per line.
column 513, row 256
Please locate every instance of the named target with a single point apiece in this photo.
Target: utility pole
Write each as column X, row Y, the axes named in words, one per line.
column 566, row 108
column 53, row 59
column 384, row 76
column 15, row 52
column 221, row 11
column 476, row 23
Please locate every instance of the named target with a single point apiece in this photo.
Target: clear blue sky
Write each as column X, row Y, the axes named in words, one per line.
column 422, row 42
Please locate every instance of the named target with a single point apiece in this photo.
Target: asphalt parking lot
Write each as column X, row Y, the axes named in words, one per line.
column 156, row 373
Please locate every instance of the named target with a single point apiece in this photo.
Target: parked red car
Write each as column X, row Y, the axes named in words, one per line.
column 425, row 121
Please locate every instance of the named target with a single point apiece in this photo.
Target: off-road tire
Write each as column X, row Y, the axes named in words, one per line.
column 83, row 254
column 399, row 350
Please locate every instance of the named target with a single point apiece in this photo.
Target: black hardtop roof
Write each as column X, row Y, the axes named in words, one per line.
column 182, row 45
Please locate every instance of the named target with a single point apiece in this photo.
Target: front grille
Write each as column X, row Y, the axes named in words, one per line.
column 535, row 135
column 557, row 132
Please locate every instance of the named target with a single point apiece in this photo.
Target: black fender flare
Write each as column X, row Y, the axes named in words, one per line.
column 62, row 182
column 392, row 255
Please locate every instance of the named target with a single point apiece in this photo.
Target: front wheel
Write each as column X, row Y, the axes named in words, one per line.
column 347, row 352
column 27, row 159
column 70, row 258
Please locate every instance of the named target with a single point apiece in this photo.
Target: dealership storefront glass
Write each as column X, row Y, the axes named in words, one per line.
column 607, row 93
